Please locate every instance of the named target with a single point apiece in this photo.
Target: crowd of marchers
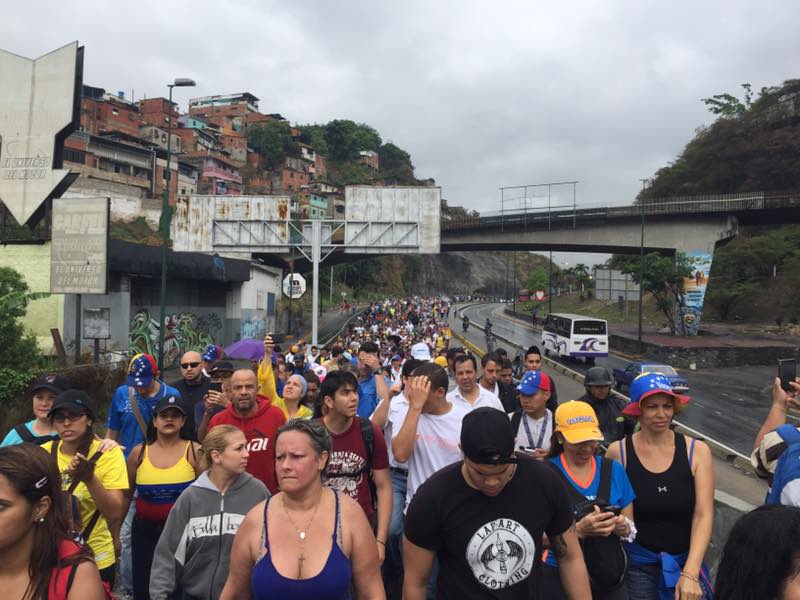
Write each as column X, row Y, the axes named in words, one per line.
column 391, row 463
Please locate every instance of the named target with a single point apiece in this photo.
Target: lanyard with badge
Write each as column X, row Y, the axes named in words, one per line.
column 542, row 430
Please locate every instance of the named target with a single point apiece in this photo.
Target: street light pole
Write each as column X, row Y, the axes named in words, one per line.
column 166, row 218
column 641, row 262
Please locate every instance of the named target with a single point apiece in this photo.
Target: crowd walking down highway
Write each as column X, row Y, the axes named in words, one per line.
column 400, row 460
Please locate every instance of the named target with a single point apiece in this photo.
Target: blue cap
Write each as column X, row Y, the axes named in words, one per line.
column 532, row 382
column 646, row 385
column 142, row 371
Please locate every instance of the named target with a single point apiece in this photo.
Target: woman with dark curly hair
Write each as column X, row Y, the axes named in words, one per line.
column 38, row 559
column 761, row 559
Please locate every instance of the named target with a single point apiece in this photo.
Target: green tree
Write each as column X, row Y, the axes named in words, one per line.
column 395, row 165
column 20, row 356
column 723, row 295
column 273, row 141
column 663, row 278
column 345, row 139
column 314, row 135
column 728, row 105
column 537, row 279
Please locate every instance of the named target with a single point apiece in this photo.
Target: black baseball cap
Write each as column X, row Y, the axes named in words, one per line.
column 169, row 402
column 487, row 437
column 75, row 400
column 222, row 366
column 54, row 382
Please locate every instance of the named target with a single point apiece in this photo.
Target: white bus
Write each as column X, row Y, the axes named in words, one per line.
column 575, row 336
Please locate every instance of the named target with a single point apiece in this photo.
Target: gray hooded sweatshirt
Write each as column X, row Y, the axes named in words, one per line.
column 194, row 549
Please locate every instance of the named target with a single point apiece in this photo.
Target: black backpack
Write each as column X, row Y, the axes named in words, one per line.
column 605, row 558
column 26, row 436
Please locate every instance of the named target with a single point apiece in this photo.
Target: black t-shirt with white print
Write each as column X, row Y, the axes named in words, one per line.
column 489, row 547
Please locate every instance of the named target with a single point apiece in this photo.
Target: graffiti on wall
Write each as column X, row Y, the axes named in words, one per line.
column 253, row 324
column 184, row 331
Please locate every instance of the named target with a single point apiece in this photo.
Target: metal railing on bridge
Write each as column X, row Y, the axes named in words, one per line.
column 571, row 215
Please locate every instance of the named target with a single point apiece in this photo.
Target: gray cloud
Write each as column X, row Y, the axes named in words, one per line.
column 482, row 95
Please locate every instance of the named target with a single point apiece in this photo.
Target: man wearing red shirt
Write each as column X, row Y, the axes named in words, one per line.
column 349, row 465
column 259, row 420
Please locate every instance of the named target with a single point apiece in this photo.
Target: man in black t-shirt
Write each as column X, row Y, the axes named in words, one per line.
column 484, row 517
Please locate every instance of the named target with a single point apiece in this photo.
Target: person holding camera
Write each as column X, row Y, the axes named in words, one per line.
column 601, row 499
column 95, row 479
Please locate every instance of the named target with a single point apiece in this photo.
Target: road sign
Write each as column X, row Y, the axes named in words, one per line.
column 294, row 285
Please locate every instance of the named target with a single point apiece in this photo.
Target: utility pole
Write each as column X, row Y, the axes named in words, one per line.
column 641, row 263
column 550, row 284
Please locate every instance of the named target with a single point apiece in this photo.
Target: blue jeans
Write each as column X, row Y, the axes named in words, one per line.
column 643, row 582
column 125, row 559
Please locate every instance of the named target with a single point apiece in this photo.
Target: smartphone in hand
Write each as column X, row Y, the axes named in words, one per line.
column 787, row 371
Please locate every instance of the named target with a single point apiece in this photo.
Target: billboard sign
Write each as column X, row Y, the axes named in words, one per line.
column 694, row 292
column 39, row 102
column 79, row 247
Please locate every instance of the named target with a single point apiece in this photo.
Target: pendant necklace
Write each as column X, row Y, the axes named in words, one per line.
column 301, row 532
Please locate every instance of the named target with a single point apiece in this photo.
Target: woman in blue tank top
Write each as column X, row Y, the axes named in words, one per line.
column 306, row 542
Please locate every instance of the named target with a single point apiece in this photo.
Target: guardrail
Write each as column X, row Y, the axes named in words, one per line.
column 343, row 327
column 546, row 216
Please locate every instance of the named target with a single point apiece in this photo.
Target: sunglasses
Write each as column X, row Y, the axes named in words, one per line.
column 189, row 365
column 60, row 417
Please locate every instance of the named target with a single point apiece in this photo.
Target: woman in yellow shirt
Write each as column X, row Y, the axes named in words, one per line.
column 294, row 390
column 96, row 479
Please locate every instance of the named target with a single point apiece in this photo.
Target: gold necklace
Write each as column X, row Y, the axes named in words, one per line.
column 300, row 532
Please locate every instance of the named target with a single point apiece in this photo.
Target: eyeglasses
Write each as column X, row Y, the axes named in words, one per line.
column 60, row 417
column 189, row 365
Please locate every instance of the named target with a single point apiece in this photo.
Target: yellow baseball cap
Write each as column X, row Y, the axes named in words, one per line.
column 577, row 422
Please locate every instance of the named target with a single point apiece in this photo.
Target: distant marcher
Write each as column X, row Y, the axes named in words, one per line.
column 210, row 356
column 607, row 406
column 158, row 470
column 258, row 419
column 468, row 393
column 217, row 397
column 761, row 559
column 294, row 390
column 532, row 423
column 42, row 561
column 371, row 384
column 193, row 386
column 673, row 478
column 194, row 551
column 532, row 361
column 39, row 430
column 307, row 542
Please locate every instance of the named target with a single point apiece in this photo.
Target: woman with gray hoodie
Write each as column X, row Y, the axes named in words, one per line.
column 193, row 553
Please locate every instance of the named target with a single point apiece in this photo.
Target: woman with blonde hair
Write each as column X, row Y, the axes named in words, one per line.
column 307, row 542
column 193, row 552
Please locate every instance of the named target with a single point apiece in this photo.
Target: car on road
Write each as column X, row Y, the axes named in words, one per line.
column 624, row 377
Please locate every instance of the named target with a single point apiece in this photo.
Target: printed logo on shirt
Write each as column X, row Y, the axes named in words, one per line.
column 258, row 444
column 501, row 553
column 345, row 472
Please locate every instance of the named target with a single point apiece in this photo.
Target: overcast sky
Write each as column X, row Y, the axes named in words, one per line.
column 482, row 95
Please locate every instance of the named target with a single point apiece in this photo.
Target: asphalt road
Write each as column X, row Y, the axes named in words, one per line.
column 727, row 405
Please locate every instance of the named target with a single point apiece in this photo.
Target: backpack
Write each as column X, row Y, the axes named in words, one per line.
column 605, row 558
column 26, row 436
column 785, row 487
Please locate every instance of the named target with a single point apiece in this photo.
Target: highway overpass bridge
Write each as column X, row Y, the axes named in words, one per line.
column 692, row 225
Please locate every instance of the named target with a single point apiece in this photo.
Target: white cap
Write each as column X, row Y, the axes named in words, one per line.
column 421, row 351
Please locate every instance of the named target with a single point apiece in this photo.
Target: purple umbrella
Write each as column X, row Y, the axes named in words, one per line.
column 246, row 349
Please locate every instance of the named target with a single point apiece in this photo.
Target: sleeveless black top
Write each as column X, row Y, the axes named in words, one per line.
column 664, row 503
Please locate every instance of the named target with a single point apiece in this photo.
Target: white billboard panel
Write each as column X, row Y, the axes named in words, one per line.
column 231, row 223
column 397, row 220
column 79, row 249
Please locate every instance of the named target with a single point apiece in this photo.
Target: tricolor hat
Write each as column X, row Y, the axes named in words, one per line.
column 648, row 384
column 142, row 370
column 577, row 422
column 212, row 354
column 532, row 382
